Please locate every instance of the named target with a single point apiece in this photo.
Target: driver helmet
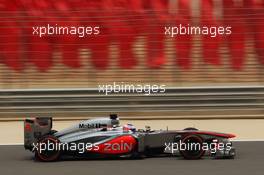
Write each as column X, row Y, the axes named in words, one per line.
column 129, row 127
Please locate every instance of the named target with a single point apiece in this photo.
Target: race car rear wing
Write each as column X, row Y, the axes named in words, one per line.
column 34, row 129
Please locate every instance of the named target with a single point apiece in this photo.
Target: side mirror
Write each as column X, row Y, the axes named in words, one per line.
column 148, row 129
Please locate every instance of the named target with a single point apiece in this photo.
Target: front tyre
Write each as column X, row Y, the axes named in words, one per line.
column 193, row 148
column 48, row 149
column 190, row 129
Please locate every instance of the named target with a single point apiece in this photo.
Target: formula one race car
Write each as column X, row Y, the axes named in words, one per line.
column 104, row 137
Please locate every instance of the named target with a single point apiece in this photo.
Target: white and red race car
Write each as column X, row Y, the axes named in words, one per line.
column 104, row 137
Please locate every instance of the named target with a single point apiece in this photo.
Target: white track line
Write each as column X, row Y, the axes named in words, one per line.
column 10, row 144
column 248, row 140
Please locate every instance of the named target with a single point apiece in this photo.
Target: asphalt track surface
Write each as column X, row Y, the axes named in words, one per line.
column 249, row 161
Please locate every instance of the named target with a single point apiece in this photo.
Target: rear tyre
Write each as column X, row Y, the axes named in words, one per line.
column 52, row 132
column 193, row 147
column 48, row 149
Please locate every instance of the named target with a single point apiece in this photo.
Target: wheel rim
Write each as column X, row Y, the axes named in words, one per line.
column 194, row 149
column 48, row 155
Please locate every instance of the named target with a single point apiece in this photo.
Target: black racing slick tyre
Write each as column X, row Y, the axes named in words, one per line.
column 48, row 149
column 193, row 148
column 52, row 132
column 190, row 129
